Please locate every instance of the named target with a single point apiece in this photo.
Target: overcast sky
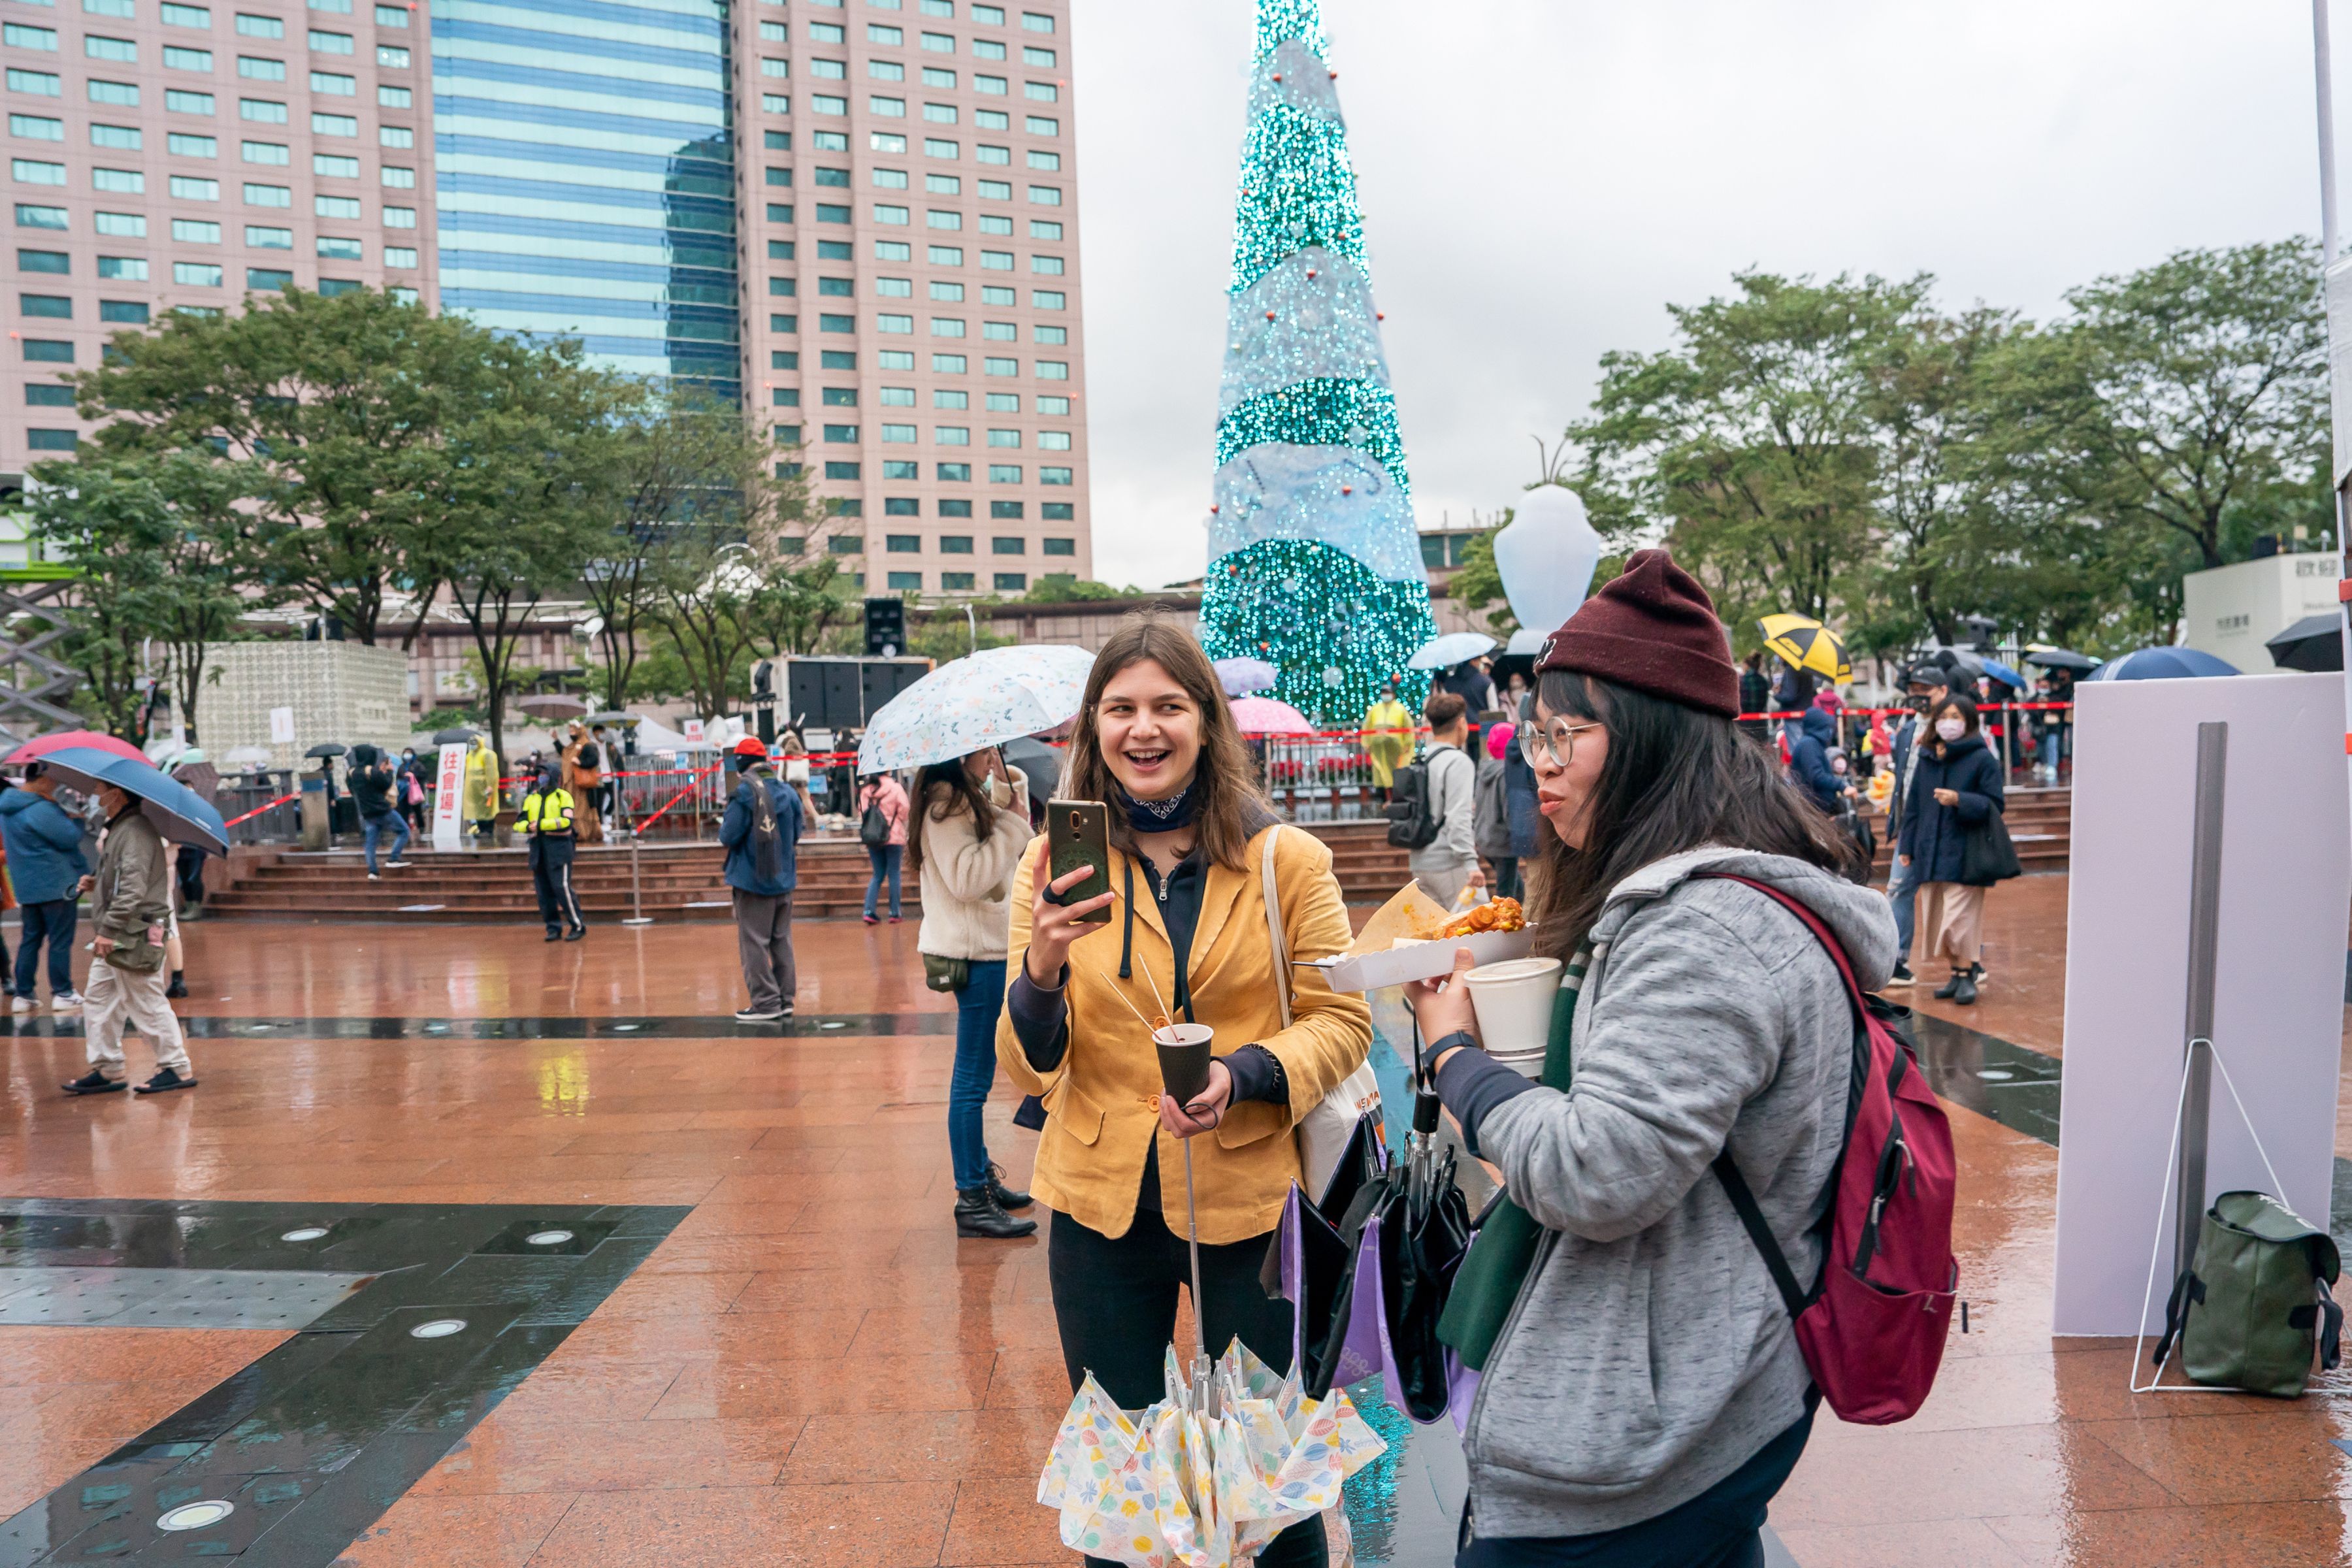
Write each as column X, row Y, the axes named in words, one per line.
column 1540, row 178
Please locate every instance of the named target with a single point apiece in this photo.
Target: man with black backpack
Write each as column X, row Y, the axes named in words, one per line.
column 1431, row 809
column 762, row 833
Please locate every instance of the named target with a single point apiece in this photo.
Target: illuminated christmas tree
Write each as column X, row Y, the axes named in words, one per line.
column 1315, row 564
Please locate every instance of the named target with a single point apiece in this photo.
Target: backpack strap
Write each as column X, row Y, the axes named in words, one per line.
column 1727, row 1171
column 1273, row 926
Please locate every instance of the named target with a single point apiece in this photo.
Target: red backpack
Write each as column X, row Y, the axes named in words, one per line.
column 1872, row 1328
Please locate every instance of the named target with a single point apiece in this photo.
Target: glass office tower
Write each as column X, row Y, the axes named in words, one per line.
column 586, row 178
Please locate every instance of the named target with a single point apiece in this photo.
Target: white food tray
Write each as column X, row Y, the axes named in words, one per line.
column 1418, row 961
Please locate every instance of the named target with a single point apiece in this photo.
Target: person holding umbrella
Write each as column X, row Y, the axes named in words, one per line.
column 1642, row 1391
column 131, row 909
column 47, row 869
column 1193, row 851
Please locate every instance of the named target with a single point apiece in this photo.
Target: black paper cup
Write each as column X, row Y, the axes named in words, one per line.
column 1183, row 1059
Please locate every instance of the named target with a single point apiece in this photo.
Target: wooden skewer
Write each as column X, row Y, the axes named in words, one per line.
column 1122, row 996
column 1164, row 1010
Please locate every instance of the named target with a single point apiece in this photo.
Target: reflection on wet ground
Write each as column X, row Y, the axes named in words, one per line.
column 808, row 1366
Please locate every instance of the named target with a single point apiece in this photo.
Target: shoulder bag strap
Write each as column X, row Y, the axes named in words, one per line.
column 1273, row 926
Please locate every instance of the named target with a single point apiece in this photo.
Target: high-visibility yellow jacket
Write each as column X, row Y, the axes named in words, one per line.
column 547, row 812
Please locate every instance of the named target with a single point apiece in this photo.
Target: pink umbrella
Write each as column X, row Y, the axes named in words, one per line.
column 33, row 750
column 1264, row 716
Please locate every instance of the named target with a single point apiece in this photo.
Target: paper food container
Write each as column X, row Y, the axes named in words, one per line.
column 1385, row 953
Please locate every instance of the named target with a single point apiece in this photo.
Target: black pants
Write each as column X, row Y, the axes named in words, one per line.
column 1720, row 1528
column 1114, row 1303
column 550, row 874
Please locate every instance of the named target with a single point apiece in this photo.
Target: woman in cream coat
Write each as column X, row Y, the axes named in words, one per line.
column 966, row 844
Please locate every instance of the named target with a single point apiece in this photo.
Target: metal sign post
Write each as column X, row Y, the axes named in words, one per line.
column 2204, row 951
column 638, row 916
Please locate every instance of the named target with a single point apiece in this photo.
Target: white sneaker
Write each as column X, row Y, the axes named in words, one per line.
column 23, row 1004
column 373, row 878
column 65, row 1001
column 396, row 865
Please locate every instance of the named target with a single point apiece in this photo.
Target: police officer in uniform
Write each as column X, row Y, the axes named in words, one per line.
column 547, row 821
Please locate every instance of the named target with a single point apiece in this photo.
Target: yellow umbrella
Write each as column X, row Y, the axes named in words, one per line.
column 1807, row 644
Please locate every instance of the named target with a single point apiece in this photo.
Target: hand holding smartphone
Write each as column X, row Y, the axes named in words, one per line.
column 1079, row 834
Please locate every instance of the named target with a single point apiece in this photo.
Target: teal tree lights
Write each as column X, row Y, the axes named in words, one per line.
column 1314, row 562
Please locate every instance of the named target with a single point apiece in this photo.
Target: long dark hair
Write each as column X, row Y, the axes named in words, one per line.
column 961, row 789
column 1676, row 779
column 1231, row 799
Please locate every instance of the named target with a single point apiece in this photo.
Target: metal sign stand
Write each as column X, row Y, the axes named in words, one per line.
column 638, row 916
column 2204, row 949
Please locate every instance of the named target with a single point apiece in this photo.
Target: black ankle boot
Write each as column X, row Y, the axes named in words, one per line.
column 1006, row 1197
column 179, row 987
column 977, row 1214
column 1951, row 988
column 1964, row 993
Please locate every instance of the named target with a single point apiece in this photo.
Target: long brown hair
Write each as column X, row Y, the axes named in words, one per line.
column 961, row 796
column 1676, row 779
column 1231, row 801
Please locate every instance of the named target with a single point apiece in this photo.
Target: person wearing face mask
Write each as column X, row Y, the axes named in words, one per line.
column 1957, row 786
column 1641, row 1394
column 966, row 843
column 1190, row 842
column 1926, row 684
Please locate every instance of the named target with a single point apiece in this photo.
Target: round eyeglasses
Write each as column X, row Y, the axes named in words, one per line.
column 1556, row 746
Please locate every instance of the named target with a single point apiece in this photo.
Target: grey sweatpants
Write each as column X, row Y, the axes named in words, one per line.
column 115, row 997
column 764, row 940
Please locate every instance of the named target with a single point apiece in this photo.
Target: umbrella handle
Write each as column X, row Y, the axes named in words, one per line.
column 1203, row 1387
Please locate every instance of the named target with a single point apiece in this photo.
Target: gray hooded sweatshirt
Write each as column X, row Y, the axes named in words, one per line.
column 1649, row 1355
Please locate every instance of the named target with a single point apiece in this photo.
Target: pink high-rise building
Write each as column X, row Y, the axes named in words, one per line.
column 860, row 216
column 910, row 268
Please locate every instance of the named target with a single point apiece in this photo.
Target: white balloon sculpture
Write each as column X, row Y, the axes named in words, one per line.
column 1546, row 556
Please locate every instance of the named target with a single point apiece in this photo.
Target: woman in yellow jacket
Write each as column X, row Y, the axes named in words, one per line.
column 1156, row 742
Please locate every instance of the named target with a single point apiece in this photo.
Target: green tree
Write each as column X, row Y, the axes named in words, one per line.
column 1069, row 588
column 726, row 582
column 340, row 405
column 1749, row 444
column 160, row 547
column 533, row 470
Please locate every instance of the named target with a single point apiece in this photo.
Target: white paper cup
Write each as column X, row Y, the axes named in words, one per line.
column 1514, row 1001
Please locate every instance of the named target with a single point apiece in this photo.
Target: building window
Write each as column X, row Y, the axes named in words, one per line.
column 340, row 249
column 778, row 323
column 268, row 278
column 947, row 326
column 828, row 213
column 1045, row 229
column 1056, row 511
column 950, row 291
column 900, row 543
column 891, row 179
column 775, row 103
column 265, row 153
column 903, row 506
column 54, row 305
column 898, row 434
column 956, row 582
column 1052, row 440
column 995, row 85
column 1045, row 196
column 894, row 359
column 943, row 184
column 1044, row 334
column 37, row 172
column 948, row 365
column 934, row 77
column 1012, row 581
column 1036, row 22
column 130, row 269
column 781, row 212
column 255, row 68
column 261, row 111
column 187, row 60
column 886, row 108
column 890, row 324
column 255, row 195
column 887, row 70
column 954, row 474
column 939, row 113
column 29, row 215
column 895, row 288
column 1054, row 476
column 785, row 397
column 49, row 350
column 43, row 261
column 125, row 226
column 903, row 581
column 902, row 468
column 1041, row 91
column 185, row 146
column 334, row 167
column 950, row 397
column 939, row 42
column 1005, row 403
column 836, row 359
column 259, row 237
column 1053, row 370
column 41, row 440
column 841, row 470
column 896, row 216
column 951, row 435
column 43, row 83
column 180, row 102
column 1005, row 437
column 996, row 261
column 121, row 93
column 947, row 220
column 400, row 256
column 130, row 181
column 1042, row 125
column 1003, row 473
column 988, row 154
column 1050, row 161
column 1000, row 331
column 1061, row 546
column 39, row 394
column 195, row 231
column 395, row 97
column 994, row 366
column 824, row 104
column 1002, row 545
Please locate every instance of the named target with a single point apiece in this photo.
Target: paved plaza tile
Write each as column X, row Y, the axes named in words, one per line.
column 787, row 1356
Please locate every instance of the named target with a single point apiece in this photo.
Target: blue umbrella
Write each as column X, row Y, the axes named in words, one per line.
column 2161, row 664
column 178, row 812
column 2002, row 672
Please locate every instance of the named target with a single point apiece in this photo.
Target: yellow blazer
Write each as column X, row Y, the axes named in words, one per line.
column 1102, row 1101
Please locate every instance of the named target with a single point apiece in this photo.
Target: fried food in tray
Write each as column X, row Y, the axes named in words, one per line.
column 1495, row 915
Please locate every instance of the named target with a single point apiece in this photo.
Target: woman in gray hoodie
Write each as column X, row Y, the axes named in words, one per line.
column 1641, row 1394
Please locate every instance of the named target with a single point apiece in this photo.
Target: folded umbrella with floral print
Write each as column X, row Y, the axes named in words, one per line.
column 1194, row 1483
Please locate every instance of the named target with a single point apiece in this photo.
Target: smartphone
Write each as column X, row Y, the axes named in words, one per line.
column 1078, row 832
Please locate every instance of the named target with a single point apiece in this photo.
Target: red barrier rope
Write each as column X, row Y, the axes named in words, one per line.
column 645, row 822
column 258, row 810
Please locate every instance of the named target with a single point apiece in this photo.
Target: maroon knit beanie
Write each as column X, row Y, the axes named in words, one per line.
column 1652, row 629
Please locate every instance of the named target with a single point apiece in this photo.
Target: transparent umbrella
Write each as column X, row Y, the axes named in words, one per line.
column 982, row 700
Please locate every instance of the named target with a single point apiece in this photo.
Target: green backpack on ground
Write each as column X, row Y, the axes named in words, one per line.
column 2250, row 1307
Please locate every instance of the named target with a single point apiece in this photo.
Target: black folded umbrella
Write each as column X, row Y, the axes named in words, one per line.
column 1313, row 1266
